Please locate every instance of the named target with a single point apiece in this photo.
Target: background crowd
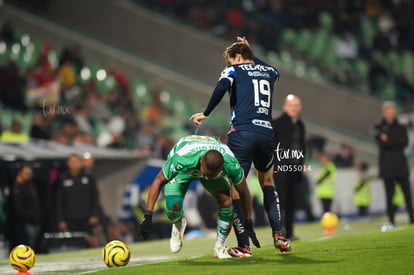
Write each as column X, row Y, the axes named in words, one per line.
column 365, row 45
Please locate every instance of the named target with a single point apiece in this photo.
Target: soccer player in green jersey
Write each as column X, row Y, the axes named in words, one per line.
column 211, row 162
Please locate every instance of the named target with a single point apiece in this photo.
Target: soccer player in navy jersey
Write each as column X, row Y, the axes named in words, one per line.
column 249, row 82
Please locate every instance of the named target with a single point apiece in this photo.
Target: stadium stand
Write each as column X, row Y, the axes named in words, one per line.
column 340, row 41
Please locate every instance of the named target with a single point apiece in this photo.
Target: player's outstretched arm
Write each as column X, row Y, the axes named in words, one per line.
column 145, row 225
column 155, row 189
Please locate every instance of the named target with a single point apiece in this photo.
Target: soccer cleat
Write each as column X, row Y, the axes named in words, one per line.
column 281, row 243
column 177, row 234
column 242, row 252
column 221, row 252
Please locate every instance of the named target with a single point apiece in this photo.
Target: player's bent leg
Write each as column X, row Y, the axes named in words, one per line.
column 239, row 228
column 272, row 207
column 224, row 222
column 221, row 189
column 174, row 204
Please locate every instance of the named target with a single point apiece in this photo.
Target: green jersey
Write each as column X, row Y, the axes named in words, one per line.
column 184, row 158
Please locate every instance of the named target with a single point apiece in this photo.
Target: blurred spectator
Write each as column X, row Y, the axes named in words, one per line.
column 15, row 134
column 404, row 90
column 77, row 200
column 122, row 88
column 344, row 157
column 362, row 189
column 113, row 101
column 40, row 128
column 43, row 88
column 377, row 75
column 84, row 138
column 130, row 132
column 392, row 139
column 102, row 229
column 84, row 119
column 67, row 75
column 27, row 212
column 60, row 137
column 315, row 145
column 146, row 137
column 72, row 55
column 112, row 137
column 12, row 87
column 364, row 51
column 162, row 147
column 8, row 33
column 155, row 111
column 236, row 21
column 346, row 48
column 66, row 133
column 325, row 182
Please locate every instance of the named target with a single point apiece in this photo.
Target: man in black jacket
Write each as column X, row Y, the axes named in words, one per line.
column 77, row 199
column 289, row 133
column 26, row 209
column 392, row 138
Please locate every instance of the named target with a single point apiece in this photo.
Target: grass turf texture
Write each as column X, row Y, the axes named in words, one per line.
column 361, row 250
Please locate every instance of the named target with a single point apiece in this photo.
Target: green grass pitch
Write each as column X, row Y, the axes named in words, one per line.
column 362, row 249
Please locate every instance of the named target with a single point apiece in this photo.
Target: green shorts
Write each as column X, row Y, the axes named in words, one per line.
column 179, row 185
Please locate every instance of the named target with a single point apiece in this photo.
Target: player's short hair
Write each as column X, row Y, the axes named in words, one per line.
column 238, row 48
column 213, row 161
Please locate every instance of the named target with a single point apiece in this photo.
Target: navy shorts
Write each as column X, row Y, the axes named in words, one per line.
column 253, row 147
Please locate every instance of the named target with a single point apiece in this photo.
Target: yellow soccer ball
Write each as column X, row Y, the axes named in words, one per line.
column 116, row 253
column 329, row 220
column 22, row 257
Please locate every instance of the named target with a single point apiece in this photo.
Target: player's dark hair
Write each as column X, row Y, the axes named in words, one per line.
column 238, row 48
column 213, row 160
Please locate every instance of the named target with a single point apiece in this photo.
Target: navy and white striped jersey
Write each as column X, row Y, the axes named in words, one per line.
column 250, row 86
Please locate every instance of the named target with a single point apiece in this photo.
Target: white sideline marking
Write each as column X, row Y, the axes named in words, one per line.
column 84, row 266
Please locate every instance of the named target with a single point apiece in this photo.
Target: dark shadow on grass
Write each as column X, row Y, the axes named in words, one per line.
column 285, row 259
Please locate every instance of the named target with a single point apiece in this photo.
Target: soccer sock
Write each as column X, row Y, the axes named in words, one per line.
column 174, row 209
column 225, row 215
column 238, row 225
column 271, row 203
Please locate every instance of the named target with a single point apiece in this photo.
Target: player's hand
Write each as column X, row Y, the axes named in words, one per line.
column 145, row 226
column 248, row 226
column 243, row 40
column 198, row 118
